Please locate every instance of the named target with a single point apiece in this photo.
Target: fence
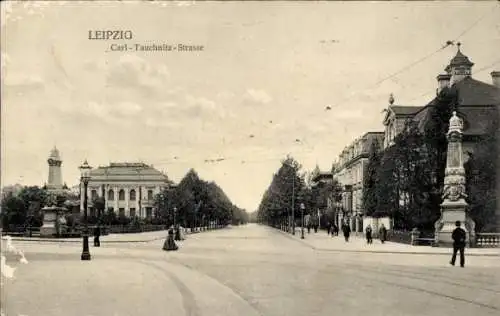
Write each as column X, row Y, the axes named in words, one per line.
column 410, row 238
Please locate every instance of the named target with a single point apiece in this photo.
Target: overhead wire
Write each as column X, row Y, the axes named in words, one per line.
column 223, row 159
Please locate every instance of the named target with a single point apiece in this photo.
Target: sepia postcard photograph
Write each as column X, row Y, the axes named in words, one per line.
column 250, row 158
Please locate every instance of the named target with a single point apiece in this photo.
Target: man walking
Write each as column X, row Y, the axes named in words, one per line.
column 383, row 233
column 368, row 232
column 458, row 237
column 346, row 229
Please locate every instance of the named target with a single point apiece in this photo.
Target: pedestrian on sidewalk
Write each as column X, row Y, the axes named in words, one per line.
column 383, row 233
column 335, row 231
column 97, row 235
column 328, row 228
column 346, row 229
column 458, row 237
column 368, row 233
column 169, row 244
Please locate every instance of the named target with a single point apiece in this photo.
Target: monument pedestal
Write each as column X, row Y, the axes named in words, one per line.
column 452, row 211
column 52, row 221
column 49, row 228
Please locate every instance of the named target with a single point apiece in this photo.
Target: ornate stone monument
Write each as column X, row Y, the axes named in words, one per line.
column 454, row 205
column 53, row 221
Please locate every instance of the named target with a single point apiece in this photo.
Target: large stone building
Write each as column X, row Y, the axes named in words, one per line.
column 478, row 103
column 478, row 106
column 350, row 172
column 128, row 189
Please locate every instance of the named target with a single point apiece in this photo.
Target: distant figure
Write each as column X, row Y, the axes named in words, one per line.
column 383, row 233
column 335, row 230
column 346, row 229
column 368, row 233
column 169, row 244
column 177, row 233
column 328, row 228
column 316, row 226
column 458, row 237
column 97, row 234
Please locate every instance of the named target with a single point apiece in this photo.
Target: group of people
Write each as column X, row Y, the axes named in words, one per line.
column 333, row 229
column 382, row 233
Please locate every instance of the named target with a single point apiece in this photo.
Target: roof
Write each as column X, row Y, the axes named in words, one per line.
column 472, row 92
column 54, row 154
column 478, row 105
column 371, row 138
column 127, row 172
column 405, row 110
column 460, row 59
column 322, row 176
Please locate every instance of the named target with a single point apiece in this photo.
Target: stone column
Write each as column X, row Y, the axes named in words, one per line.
column 117, row 195
column 454, row 205
column 127, row 199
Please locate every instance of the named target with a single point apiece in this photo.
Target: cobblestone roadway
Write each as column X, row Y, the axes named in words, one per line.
column 251, row 270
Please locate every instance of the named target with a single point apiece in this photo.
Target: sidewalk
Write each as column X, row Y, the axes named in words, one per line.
column 323, row 242
column 111, row 238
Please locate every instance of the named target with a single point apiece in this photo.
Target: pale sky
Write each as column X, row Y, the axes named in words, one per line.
column 262, row 62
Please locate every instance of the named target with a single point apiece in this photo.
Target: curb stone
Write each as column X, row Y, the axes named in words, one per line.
column 384, row 251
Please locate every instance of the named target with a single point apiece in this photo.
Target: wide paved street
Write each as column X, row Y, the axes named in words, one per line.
column 248, row 270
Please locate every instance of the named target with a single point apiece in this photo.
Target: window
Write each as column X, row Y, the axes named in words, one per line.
column 150, row 194
column 92, row 212
column 93, row 194
column 132, row 212
column 121, row 195
column 111, row 195
column 111, row 210
column 149, row 212
column 121, row 212
column 132, row 195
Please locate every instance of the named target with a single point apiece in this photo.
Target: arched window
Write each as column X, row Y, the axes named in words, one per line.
column 132, row 195
column 121, row 195
column 111, row 195
column 93, row 194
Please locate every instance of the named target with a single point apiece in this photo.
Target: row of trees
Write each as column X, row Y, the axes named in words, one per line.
column 406, row 180
column 195, row 202
column 289, row 189
column 24, row 207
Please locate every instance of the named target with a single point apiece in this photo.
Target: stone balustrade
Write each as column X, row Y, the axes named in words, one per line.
column 488, row 240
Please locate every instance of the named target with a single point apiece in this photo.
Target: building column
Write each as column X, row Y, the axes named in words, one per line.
column 127, row 199
column 117, row 195
column 139, row 202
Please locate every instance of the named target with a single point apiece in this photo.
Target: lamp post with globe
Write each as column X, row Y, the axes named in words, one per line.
column 85, row 178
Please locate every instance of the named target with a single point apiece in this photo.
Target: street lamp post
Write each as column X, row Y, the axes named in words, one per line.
column 302, row 207
column 292, row 221
column 85, row 178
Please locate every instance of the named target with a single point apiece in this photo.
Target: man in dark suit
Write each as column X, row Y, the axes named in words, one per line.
column 458, row 237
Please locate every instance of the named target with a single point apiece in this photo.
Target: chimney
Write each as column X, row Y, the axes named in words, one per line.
column 495, row 78
column 443, row 82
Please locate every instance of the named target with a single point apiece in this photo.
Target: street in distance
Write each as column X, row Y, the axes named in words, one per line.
column 155, row 47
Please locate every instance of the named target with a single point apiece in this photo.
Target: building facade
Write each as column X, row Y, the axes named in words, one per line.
column 350, row 172
column 128, row 189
